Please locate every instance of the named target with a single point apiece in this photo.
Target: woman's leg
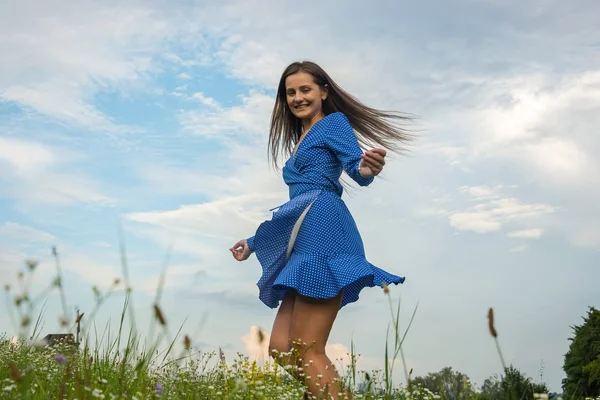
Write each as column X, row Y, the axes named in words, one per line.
column 311, row 324
column 280, row 343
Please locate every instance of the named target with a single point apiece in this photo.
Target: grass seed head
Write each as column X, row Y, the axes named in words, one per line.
column 78, row 320
column 31, row 264
column 63, row 321
column 491, row 327
column 386, row 289
column 261, row 336
column 15, row 373
column 159, row 315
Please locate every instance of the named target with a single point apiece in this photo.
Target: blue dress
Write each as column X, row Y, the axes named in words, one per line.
column 312, row 244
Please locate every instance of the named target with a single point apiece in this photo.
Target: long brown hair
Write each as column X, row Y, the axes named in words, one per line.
column 369, row 124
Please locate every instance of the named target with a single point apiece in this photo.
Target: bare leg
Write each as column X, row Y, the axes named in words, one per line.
column 280, row 343
column 311, row 325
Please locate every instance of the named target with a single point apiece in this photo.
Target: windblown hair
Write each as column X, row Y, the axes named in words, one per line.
column 370, row 125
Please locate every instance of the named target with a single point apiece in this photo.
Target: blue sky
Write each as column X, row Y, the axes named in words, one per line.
column 153, row 116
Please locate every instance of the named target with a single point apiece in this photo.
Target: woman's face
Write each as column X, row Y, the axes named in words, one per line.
column 304, row 96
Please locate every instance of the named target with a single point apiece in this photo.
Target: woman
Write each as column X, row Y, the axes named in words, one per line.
column 311, row 252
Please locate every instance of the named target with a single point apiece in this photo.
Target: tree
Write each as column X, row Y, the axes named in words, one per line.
column 449, row 384
column 516, row 386
column 491, row 389
column 582, row 361
column 513, row 385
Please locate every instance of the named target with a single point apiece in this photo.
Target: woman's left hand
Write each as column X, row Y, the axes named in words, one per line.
column 372, row 162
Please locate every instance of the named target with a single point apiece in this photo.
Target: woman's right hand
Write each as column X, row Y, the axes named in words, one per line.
column 240, row 250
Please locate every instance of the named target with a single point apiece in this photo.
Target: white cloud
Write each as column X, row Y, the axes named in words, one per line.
column 482, row 192
column 474, row 221
column 36, row 176
column 25, row 156
column 21, row 232
column 544, row 127
column 249, row 119
column 559, row 157
column 57, row 56
column 494, row 211
column 219, row 218
column 526, row 234
column 519, row 248
column 207, row 101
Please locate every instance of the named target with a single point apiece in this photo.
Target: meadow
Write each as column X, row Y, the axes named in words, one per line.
column 124, row 366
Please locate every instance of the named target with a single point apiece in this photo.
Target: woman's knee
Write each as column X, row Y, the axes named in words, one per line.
column 307, row 350
column 278, row 346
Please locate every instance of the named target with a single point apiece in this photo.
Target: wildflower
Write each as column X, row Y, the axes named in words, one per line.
column 60, row 358
column 159, row 388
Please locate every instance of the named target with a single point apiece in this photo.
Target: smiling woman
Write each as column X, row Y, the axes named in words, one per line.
column 311, row 251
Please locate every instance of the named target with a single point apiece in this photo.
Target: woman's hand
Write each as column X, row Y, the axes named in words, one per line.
column 240, row 250
column 372, row 163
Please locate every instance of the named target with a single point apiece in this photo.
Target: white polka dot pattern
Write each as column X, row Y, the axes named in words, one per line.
column 328, row 253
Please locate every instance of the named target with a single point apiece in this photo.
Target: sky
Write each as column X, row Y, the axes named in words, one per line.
column 148, row 122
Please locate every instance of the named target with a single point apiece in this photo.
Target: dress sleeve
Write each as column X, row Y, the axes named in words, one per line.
column 250, row 243
column 342, row 141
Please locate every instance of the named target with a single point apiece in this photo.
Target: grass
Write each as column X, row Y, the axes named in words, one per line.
column 30, row 369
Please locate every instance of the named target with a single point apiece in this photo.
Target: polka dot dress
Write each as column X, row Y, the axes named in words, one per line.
column 312, row 244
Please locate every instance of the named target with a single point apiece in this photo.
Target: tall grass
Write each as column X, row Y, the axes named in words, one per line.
column 130, row 366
